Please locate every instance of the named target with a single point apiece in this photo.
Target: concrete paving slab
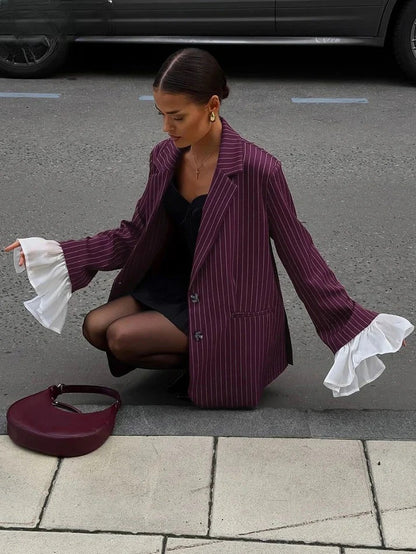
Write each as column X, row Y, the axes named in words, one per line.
column 25, row 479
column 16, row 542
column 140, row 484
column 393, row 465
column 198, row 546
column 308, row 490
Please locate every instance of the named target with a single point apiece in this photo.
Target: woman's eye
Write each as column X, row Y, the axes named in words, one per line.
column 174, row 118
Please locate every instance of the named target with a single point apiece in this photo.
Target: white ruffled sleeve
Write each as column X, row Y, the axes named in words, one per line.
column 357, row 364
column 48, row 275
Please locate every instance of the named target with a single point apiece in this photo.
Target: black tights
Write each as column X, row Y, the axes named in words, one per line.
column 136, row 335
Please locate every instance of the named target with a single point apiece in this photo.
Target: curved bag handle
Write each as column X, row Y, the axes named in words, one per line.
column 56, row 390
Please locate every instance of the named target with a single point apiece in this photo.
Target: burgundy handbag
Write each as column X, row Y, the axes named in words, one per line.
column 41, row 423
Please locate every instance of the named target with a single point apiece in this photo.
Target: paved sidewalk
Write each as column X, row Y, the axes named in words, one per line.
column 205, row 494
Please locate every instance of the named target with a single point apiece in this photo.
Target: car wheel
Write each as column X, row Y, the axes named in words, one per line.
column 32, row 56
column 404, row 39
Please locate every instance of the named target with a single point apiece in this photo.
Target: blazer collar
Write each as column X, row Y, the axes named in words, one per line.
column 230, row 159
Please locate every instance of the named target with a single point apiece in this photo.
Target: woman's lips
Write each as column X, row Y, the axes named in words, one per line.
column 174, row 138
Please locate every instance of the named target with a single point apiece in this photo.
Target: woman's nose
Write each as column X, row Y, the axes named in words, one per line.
column 167, row 125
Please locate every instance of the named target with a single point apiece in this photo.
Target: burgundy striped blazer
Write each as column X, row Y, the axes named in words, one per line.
column 239, row 339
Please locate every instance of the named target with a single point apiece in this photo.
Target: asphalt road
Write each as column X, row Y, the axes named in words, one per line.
column 75, row 165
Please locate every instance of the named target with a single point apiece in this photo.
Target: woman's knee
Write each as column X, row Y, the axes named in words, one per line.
column 142, row 335
column 117, row 338
column 93, row 331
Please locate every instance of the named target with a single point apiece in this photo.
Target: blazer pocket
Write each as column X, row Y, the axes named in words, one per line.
column 252, row 314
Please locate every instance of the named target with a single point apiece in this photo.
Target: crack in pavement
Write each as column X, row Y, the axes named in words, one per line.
column 294, row 525
column 398, row 509
column 180, row 547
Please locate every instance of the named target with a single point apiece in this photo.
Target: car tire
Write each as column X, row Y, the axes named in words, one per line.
column 32, row 57
column 404, row 39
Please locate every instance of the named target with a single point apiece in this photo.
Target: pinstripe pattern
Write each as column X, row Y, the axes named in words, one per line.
column 245, row 340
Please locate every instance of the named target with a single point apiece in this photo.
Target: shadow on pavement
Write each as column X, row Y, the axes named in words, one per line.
column 326, row 63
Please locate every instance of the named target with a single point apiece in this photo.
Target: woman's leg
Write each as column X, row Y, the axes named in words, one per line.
column 149, row 338
column 97, row 323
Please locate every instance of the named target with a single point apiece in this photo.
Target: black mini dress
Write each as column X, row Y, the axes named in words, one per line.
column 164, row 288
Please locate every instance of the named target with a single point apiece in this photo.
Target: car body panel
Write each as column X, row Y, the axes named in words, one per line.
column 209, row 21
column 193, row 17
column 390, row 7
column 328, row 17
column 33, row 17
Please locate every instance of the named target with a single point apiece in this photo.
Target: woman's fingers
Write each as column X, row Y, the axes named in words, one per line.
column 404, row 343
column 12, row 246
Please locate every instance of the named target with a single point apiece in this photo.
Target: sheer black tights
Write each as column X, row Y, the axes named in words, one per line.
column 136, row 335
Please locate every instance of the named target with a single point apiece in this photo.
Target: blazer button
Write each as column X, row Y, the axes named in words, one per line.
column 198, row 335
column 194, row 297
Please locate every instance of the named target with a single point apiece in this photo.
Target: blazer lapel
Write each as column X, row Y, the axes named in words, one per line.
column 221, row 192
column 165, row 163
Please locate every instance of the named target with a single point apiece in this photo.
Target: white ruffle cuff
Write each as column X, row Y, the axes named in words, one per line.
column 48, row 275
column 357, row 364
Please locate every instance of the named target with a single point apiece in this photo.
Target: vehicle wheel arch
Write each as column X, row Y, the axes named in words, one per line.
column 401, row 38
column 392, row 12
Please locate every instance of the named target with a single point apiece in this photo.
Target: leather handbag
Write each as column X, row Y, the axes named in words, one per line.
column 39, row 422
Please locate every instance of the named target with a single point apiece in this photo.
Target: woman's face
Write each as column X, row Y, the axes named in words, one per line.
column 185, row 122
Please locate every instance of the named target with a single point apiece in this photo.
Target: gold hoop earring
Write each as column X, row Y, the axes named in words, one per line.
column 212, row 117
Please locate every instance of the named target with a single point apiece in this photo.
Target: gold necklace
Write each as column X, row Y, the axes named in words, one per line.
column 198, row 168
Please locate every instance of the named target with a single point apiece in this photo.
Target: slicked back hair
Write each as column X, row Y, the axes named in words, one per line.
column 194, row 72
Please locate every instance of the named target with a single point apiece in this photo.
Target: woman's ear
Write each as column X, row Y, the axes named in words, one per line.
column 214, row 102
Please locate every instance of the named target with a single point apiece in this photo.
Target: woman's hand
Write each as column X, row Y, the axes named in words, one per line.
column 11, row 247
column 404, row 343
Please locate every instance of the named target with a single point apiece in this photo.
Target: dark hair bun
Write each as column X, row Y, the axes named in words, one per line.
column 225, row 92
